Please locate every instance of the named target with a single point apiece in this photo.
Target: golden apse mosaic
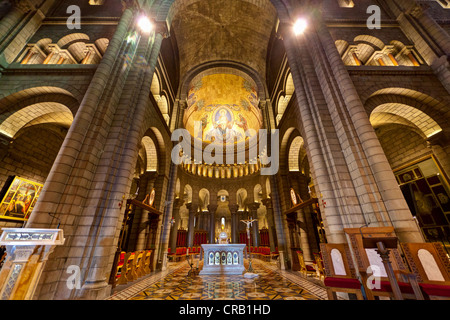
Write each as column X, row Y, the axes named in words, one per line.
column 222, row 108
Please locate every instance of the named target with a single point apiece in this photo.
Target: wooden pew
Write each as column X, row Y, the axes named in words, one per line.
column 132, row 266
column 118, row 272
column 340, row 275
column 139, row 261
column 146, row 261
column 131, row 272
column 431, row 265
column 125, row 269
column 305, row 269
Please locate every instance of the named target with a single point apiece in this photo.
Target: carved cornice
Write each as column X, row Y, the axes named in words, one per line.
column 38, row 69
column 410, row 71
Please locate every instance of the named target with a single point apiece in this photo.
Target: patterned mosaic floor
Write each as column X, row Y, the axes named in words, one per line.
column 268, row 286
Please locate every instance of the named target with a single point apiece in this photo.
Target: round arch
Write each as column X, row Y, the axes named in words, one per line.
column 204, row 199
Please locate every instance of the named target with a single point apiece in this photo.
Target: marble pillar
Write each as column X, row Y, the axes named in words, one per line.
column 191, row 228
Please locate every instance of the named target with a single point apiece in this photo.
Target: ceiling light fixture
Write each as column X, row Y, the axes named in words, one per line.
column 145, row 24
column 300, row 26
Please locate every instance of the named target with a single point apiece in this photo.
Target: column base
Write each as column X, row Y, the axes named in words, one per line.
column 98, row 290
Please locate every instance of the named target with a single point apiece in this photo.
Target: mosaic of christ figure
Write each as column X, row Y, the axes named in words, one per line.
column 223, row 127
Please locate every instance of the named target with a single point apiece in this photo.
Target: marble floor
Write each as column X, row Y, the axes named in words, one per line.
column 178, row 284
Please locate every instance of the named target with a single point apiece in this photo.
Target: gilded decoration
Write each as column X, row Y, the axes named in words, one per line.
column 224, row 107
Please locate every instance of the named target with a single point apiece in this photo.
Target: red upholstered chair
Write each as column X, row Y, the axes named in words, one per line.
column 305, row 269
column 267, row 254
column 275, row 254
column 431, row 266
column 340, row 275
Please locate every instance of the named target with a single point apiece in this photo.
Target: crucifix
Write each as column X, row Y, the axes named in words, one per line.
column 249, row 223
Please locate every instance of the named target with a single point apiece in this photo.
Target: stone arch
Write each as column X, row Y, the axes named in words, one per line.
column 268, row 188
column 371, row 40
column 285, row 96
column 289, row 135
column 162, row 150
column 36, row 106
column 432, row 107
column 406, row 115
column 241, row 198
column 155, row 87
column 204, row 199
column 17, row 100
column 257, row 193
column 102, row 44
column 35, row 114
column 294, row 153
column 160, row 96
column 34, row 123
column 69, row 39
column 177, row 188
column 341, row 46
column 151, row 153
column 412, row 117
column 227, row 67
column 187, row 194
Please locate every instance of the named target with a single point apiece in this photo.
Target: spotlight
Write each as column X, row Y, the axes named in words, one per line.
column 145, row 24
column 300, row 26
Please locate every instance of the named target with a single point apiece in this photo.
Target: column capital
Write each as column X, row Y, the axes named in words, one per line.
column 254, row 206
column 267, row 202
column 212, row 208
column 233, row 208
column 192, row 207
column 149, row 175
column 178, row 202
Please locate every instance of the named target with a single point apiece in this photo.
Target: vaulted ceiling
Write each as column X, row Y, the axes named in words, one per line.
column 217, row 30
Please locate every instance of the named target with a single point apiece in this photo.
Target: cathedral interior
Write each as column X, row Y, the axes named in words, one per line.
column 317, row 133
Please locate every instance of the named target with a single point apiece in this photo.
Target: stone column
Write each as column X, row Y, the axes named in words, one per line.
column 176, row 215
column 191, row 229
column 212, row 222
column 350, row 168
column 93, row 170
column 234, row 223
column 269, row 213
column 239, row 224
column 255, row 226
column 164, row 244
column 269, row 123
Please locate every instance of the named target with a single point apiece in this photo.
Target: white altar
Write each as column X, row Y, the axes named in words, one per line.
column 224, row 259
